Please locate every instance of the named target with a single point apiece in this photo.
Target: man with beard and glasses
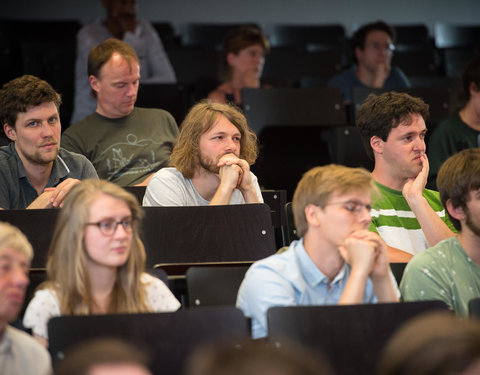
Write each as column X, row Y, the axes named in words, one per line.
column 408, row 217
column 450, row 271
column 34, row 171
column 210, row 161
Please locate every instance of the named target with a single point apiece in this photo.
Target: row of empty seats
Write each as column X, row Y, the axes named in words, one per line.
column 302, row 55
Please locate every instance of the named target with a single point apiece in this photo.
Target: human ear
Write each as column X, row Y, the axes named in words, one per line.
column 312, row 216
column 93, row 83
column 376, row 143
column 231, row 58
column 10, row 132
column 455, row 212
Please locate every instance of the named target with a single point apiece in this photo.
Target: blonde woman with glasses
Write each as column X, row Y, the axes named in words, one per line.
column 96, row 261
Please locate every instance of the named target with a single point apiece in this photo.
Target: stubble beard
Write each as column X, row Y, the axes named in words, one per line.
column 474, row 227
column 39, row 158
column 209, row 164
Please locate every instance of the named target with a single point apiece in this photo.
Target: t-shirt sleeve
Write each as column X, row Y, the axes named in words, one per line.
column 41, row 308
column 164, row 189
column 88, row 170
column 159, row 296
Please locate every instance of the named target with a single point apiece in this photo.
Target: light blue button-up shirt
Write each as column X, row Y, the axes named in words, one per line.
column 290, row 279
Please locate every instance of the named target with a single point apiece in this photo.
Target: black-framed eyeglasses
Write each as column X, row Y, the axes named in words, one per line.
column 353, row 206
column 108, row 226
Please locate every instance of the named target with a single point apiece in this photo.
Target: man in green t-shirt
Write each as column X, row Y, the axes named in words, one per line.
column 450, row 271
column 408, row 217
column 462, row 129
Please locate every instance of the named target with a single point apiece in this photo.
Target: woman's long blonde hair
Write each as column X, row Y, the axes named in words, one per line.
column 67, row 266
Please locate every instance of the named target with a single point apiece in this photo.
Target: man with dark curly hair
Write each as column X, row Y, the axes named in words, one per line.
column 407, row 216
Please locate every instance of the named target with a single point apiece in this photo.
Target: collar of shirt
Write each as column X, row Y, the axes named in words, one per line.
column 312, row 275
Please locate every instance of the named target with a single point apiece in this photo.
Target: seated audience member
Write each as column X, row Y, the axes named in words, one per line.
column 462, row 129
column 103, row 356
column 210, row 161
column 121, row 23
column 34, row 171
column 450, row 270
column 372, row 50
column 126, row 144
column 433, row 344
column 336, row 261
column 256, row 358
column 19, row 352
column 96, row 261
column 407, row 216
column 244, row 49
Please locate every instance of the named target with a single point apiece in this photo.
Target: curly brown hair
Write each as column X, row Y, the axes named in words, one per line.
column 378, row 114
column 22, row 93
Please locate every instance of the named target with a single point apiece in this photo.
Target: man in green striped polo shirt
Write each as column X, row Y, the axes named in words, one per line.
column 408, row 217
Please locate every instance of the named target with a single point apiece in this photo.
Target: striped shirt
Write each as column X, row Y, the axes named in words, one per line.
column 396, row 223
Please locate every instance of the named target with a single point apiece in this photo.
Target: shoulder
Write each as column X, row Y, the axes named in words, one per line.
column 155, row 114
column 29, row 348
column 277, row 265
column 6, row 153
column 91, row 27
column 169, row 174
column 24, row 340
column 78, row 165
column 159, row 295
column 73, row 156
column 434, row 256
column 79, row 127
column 433, row 198
column 146, row 25
column 397, row 74
column 345, row 76
column 451, row 123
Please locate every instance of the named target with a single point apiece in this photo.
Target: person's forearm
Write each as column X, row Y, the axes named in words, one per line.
column 354, row 289
column 250, row 195
column 398, row 256
column 384, row 289
column 222, row 195
column 433, row 227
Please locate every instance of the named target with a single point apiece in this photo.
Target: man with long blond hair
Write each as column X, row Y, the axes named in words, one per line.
column 210, row 161
column 336, row 261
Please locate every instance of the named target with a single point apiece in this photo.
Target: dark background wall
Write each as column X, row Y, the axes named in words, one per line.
column 350, row 13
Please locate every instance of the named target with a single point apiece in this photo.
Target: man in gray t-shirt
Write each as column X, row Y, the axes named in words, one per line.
column 211, row 161
column 125, row 144
column 34, row 171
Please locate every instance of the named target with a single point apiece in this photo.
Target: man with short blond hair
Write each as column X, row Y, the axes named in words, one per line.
column 336, row 261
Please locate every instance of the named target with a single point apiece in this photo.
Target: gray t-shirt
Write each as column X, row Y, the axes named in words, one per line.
column 168, row 187
column 16, row 191
column 124, row 150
